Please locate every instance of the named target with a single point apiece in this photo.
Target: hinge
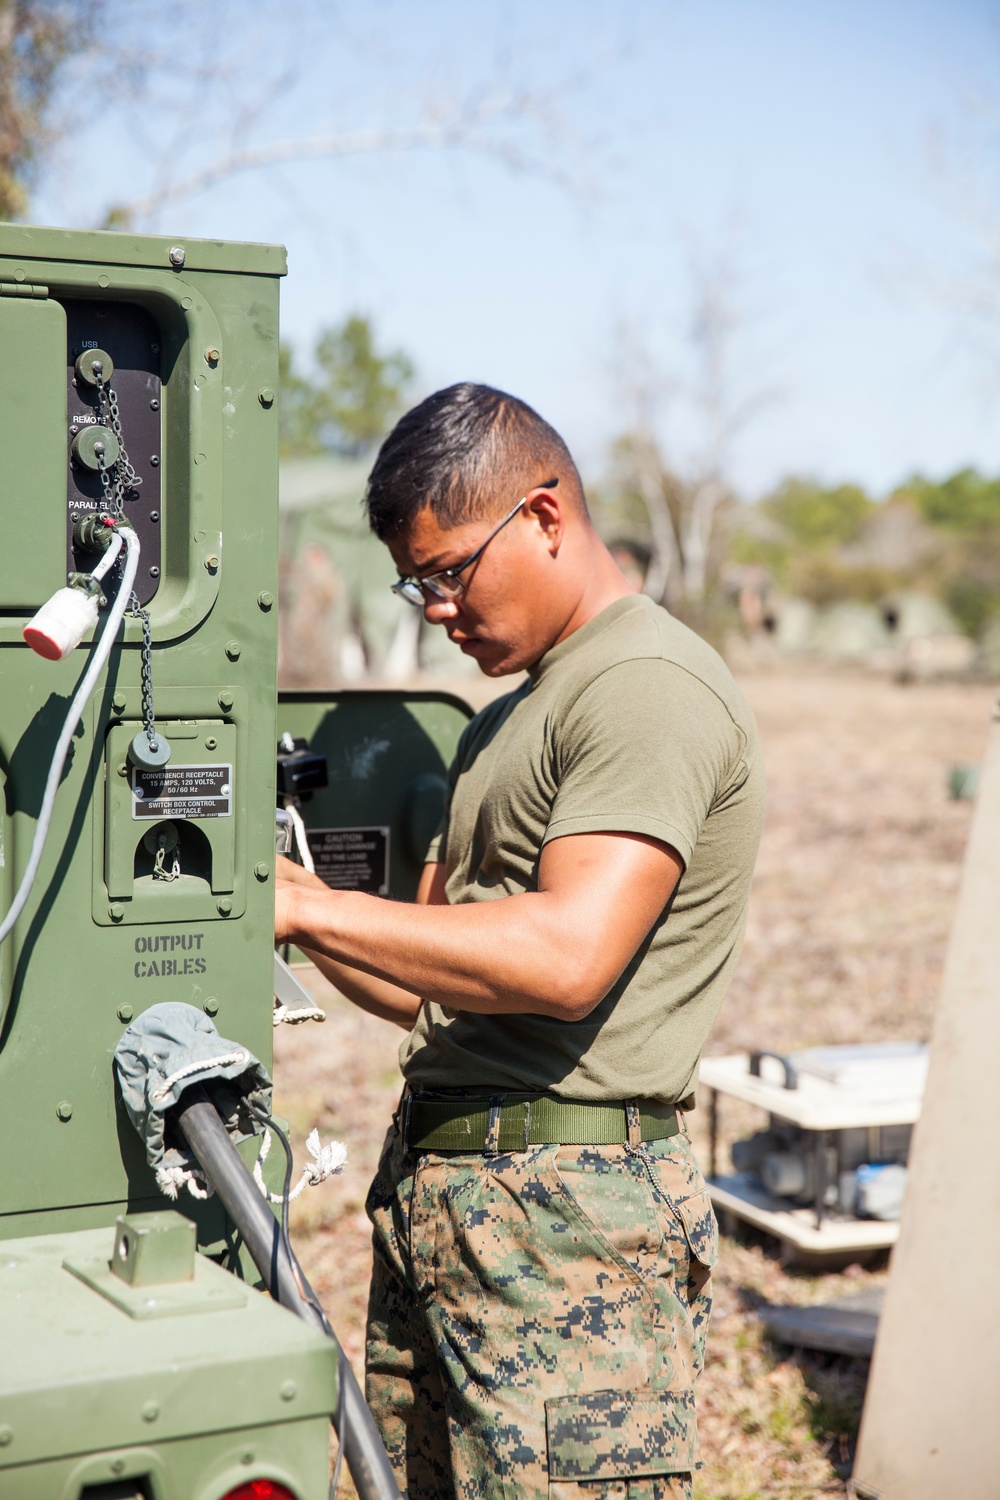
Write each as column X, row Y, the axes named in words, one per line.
column 22, row 289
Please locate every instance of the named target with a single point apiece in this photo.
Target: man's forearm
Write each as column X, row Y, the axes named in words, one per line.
column 473, row 957
column 555, row 951
column 377, row 996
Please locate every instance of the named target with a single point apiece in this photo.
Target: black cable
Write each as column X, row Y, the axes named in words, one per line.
column 199, row 1122
column 338, row 1422
column 300, row 1276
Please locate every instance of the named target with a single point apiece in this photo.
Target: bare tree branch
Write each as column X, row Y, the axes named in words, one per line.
column 473, row 127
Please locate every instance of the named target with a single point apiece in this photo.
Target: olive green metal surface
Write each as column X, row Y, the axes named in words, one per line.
column 85, row 1386
column 32, row 445
column 388, row 755
column 100, row 940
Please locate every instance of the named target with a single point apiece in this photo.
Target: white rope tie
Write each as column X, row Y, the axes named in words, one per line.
column 327, row 1161
column 170, row 1180
column 293, row 1017
column 239, row 1056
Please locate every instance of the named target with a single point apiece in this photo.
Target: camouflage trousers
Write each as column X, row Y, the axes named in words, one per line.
column 537, row 1320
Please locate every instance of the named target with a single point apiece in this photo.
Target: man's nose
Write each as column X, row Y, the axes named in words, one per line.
column 438, row 610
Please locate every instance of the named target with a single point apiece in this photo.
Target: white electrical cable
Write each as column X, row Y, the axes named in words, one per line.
column 98, row 660
column 107, row 561
column 302, row 842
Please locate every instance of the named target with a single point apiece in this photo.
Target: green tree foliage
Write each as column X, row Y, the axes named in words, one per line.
column 964, row 510
column 36, row 38
column 816, row 518
column 967, row 504
column 797, row 531
column 830, row 543
column 347, row 402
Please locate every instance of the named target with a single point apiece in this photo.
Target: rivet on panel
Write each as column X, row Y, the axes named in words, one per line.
column 262, row 871
column 6, row 1435
column 211, row 1006
column 116, row 912
column 226, row 700
column 177, row 256
column 125, row 1013
column 150, row 1411
column 211, row 563
column 211, row 743
column 64, row 1110
column 233, row 649
column 212, row 356
column 104, row 281
column 265, row 600
column 118, row 703
column 288, row 1390
column 266, row 397
column 225, row 906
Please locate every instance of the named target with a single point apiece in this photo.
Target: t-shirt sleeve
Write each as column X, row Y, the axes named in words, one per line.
column 646, row 748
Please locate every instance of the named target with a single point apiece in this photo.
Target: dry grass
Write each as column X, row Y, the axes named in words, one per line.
column 851, row 906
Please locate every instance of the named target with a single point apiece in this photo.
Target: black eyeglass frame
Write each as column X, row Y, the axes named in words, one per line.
column 412, row 589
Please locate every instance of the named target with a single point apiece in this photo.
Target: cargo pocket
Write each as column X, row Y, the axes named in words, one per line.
column 601, row 1441
column 698, row 1218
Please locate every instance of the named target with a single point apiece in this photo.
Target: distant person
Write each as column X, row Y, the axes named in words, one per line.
column 543, row 1237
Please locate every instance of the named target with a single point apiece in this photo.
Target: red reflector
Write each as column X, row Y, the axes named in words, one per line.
column 260, row 1489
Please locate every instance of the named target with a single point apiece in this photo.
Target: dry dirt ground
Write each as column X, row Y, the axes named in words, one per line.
column 852, row 902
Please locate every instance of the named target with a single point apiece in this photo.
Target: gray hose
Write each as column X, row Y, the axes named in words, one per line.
column 199, row 1123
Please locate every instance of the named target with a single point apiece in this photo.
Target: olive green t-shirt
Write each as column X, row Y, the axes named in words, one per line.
column 633, row 724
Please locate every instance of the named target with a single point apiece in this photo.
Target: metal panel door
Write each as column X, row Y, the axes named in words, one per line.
column 387, row 756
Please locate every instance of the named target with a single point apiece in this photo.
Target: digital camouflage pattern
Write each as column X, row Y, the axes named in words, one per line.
column 538, row 1318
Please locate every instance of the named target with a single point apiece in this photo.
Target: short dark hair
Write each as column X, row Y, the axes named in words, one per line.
column 464, row 453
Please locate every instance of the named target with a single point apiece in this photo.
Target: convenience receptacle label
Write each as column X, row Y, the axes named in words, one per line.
column 182, row 792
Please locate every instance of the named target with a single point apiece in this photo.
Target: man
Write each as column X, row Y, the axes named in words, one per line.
column 543, row 1239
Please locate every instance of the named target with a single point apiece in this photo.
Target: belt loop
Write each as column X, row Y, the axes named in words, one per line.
column 491, row 1146
column 527, row 1123
column 634, row 1127
column 407, row 1108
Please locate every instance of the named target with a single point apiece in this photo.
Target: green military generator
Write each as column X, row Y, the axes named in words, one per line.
column 143, row 1356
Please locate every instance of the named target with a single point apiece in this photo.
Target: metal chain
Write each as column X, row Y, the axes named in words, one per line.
column 126, row 480
column 160, row 871
column 138, row 613
column 114, row 490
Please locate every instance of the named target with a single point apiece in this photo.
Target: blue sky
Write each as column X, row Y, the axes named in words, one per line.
column 784, row 141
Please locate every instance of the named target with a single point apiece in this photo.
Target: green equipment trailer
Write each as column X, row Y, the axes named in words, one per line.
column 142, row 1360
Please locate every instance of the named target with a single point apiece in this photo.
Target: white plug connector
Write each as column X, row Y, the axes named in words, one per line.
column 61, row 624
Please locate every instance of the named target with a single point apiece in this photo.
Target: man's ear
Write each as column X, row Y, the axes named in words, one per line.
column 547, row 511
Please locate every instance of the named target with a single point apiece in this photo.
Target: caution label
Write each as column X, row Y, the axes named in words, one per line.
column 351, row 859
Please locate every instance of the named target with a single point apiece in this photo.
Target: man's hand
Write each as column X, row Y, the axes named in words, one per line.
column 556, row 951
column 393, row 1002
column 287, row 869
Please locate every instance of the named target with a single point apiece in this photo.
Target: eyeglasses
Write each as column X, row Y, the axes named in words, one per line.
column 447, row 584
